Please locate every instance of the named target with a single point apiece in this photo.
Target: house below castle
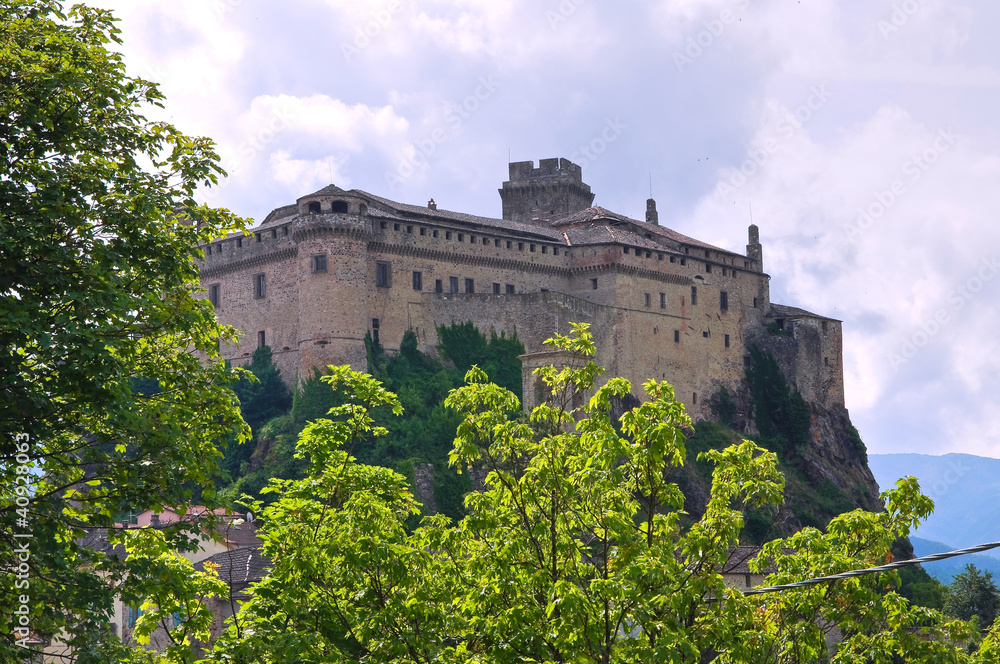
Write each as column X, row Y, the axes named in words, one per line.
column 314, row 277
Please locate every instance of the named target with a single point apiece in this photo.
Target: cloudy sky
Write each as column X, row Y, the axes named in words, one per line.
column 862, row 133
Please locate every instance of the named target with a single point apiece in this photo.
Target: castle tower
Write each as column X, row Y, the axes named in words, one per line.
column 652, row 216
column 333, row 228
column 755, row 251
column 554, row 189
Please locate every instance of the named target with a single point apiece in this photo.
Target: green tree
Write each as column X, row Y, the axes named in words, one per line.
column 264, row 395
column 973, row 593
column 112, row 393
column 574, row 552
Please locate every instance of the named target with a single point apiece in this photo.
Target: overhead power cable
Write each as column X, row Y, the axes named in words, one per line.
column 873, row 570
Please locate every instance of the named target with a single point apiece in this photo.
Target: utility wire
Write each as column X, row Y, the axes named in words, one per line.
column 874, row 570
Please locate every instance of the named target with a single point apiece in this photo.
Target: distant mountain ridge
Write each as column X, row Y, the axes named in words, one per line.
column 965, row 490
column 945, row 570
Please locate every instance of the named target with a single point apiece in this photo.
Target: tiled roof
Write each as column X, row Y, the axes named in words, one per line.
column 238, row 568
column 461, row 217
column 782, row 311
column 601, row 234
column 739, row 559
column 598, row 214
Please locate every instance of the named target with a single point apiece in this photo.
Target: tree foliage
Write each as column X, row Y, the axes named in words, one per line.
column 110, row 377
column 574, row 552
column 973, row 593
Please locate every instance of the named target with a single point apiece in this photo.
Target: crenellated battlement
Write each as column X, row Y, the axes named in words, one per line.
column 554, row 189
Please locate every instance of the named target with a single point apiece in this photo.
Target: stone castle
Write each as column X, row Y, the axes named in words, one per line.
column 314, row 277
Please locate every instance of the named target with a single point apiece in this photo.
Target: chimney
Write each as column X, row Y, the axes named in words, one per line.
column 154, row 520
column 432, row 205
column 652, row 217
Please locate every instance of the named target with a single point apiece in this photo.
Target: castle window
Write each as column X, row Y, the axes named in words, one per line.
column 257, row 235
column 708, row 267
column 694, row 399
column 274, row 233
column 659, row 257
column 746, row 264
column 593, row 284
column 438, row 286
column 409, row 229
column 486, row 241
column 705, row 334
column 452, row 284
column 261, row 339
column 545, row 290
column 423, row 231
column 646, row 299
column 755, row 303
column 531, row 248
column 381, row 225
column 319, row 263
column 727, row 341
column 723, row 271
column 472, row 239
column 677, row 336
column 460, row 236
column 625, row 250
column 520, row 246
column 684, row 261
column 339, row 206
column 724, row 300
column 375, row 328
column 508, row 244
column 395, row 227
column 209, row 247
column 284, row 230
column 219, row 247
column 673, row 259
column 435, row 233
column 470, row 286
column 687, row 250
column 383, row 274
column 447, row 235
column 239, row 242
column 213, row 295
column 555, row 251
column 496, row 243
column 496, row 288
column 648, row 254
column 418, row 281
column 824, row 325
column 708, row 254
column 509, row 289
column 663, row 300
column 362, row 209
column 732, row 272
column 826, row 361
column 694, row 296
column 314, row 207
column 545, row 249
column 259, row 286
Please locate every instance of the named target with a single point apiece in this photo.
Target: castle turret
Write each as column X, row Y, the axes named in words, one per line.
column 652, row 216
column 754, row 250
column 554, row 189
